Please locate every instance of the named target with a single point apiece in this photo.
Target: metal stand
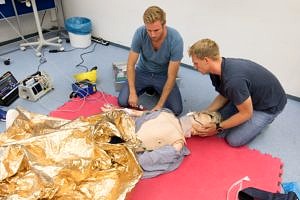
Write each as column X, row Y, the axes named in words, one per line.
column 41, row 41
column 17, row 16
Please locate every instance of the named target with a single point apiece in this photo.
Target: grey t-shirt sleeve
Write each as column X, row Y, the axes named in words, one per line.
column 136, row 43
column 176, row 45
column 157, row 61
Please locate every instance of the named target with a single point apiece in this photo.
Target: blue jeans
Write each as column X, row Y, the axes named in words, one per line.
column 244, row 133
column 144, row 80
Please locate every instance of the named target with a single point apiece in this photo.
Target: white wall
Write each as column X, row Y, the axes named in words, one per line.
column 267, row 32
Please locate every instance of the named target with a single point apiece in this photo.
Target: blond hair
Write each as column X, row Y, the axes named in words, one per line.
column 205, row 48
column 153, row 14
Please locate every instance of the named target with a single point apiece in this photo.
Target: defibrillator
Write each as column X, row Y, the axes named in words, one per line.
column 35, row 86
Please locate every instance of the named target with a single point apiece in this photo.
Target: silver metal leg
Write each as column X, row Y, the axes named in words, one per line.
column 17, row 16
column 41, row 41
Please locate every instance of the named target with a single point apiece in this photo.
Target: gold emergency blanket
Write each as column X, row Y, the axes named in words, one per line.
column 49, row 158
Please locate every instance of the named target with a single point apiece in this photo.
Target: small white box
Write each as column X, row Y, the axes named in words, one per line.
column 120, row 71
column 178, row 81
column 120, row 74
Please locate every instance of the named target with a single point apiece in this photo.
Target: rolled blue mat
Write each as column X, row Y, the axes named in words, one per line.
column 291, row 187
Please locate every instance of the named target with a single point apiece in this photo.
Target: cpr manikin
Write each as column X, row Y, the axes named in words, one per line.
column 162, row 127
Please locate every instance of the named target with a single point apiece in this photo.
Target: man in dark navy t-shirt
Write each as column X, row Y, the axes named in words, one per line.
column 250, row 96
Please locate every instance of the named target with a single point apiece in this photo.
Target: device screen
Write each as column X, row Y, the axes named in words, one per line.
column 7, row 83
column 37, row 88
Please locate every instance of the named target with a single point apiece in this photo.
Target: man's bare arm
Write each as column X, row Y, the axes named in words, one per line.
column 172, row 74
column 245, row 111
column 217, row 103
column 132, row 59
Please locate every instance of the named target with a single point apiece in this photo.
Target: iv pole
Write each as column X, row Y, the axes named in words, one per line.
column 41, row 41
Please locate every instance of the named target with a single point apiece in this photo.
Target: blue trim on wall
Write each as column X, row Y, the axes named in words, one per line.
column 8, row 10
column 119, row 45
column 293, row 97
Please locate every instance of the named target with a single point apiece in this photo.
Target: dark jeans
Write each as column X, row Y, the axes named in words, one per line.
column 144, row 80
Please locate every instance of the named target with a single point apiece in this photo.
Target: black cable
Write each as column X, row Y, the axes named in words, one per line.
column 42, row 21
column 57, row 51
column 82, row 60
column 42, row 60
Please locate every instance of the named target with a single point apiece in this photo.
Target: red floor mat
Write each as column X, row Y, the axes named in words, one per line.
column 206, row 174
column 77, row 107
column 209, row 171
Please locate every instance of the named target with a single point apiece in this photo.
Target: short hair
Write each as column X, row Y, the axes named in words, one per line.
column 153, row 14
column 205, row 48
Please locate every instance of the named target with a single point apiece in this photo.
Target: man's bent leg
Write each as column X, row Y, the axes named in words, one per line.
column 174, row 101
column 244, row 133
column 141, row 82
column 228, row 110
column 123, row 95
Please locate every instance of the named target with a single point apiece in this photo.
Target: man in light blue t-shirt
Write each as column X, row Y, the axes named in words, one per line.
column 153, row 62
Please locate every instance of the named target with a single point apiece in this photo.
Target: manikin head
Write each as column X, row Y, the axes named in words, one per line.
column 200, row 118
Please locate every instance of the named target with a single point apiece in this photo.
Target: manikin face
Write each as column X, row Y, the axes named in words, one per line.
column 200, row 118
column 200, row 65
column 155, row 31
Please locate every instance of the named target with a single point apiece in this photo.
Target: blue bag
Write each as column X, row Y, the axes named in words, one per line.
column 291, row 187
column 78, row 25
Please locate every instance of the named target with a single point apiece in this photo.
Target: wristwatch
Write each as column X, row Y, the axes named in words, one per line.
column 219, row 128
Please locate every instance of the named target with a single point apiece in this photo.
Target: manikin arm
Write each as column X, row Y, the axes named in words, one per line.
column 131, row 112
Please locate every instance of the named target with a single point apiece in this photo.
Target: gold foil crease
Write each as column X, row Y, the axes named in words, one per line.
column 49, row 158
